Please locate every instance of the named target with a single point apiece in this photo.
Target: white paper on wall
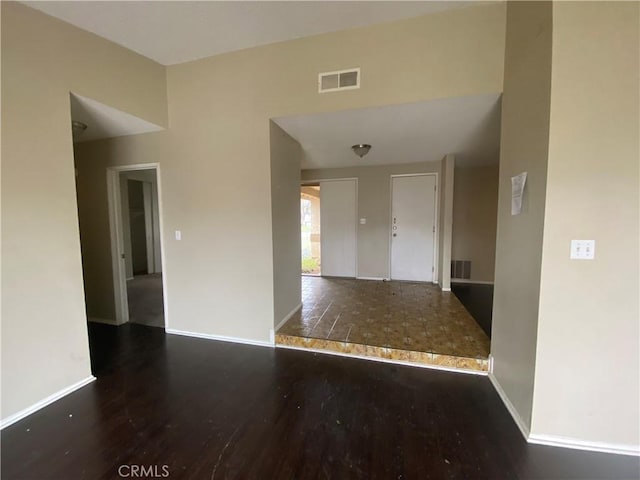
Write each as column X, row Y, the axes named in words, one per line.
column 517, row 189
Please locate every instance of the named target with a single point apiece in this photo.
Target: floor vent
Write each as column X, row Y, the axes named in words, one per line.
column 461, row 269
column 340, row 80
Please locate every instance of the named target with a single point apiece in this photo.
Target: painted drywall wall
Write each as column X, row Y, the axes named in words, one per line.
column 215, row 158
column 137, row 229
column 587, row 366
column 286, row 155
column 374, row 204
column 44, row 334
column 475, row 205
column 126, row 235
column 92, row 160
column 447, row 180
column 91, row 163
column 523, row 148
column 94, row 237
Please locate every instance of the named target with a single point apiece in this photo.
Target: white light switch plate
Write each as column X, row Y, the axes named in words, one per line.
column 178, row 235
column 583, row 249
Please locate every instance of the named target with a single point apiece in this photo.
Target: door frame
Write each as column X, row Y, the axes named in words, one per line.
column 118, row 269
column 355, row 226
column 436, row 207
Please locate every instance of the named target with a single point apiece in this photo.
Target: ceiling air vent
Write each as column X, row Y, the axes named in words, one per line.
column 340, row 80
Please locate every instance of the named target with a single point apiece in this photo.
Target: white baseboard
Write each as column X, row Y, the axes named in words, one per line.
column 106, row 321
column 464, row 280
column 222, row 338
column 379, row 279
column 445, row 289
column 507, row 403
column 289, row 315
column 382, row 360
column 16, row 417
column 556, row 441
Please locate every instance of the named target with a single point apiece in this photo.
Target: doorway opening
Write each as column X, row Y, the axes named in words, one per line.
column 388, row 222
column 141, row 231
column 310, row 229
column 136, row 246
column 106, row 264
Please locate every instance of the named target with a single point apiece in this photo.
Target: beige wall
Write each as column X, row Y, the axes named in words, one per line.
column 587, row 372
column 215, row 158
column 475, row 204
column 566, row 333
column 216, row 178
column 523, row 148
column 215, row 166
column 286, row 155
column 93, row 217
column 445, row 210
column 126, row 237
column 92, row 160
column 374, row 204
column 44, row 335
column 474, row 214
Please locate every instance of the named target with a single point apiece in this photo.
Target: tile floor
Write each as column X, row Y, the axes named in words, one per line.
column 413, row 322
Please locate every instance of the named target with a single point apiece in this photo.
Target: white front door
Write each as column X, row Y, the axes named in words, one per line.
column 413, row 222
column 338, row 217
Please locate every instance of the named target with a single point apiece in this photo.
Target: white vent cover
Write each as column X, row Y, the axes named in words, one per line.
column 339, row 80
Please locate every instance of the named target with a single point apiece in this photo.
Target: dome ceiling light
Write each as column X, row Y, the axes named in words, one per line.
column 361, row 149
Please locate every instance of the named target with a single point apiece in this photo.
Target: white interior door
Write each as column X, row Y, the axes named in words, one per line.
column 338, row 223
column 413, row 222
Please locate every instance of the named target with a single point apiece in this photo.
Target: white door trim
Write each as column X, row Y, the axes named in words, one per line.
column 436, row 235
column 117, row 241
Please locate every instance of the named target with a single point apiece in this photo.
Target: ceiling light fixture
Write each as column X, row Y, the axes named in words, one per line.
column 77, row 127
column 361, row 149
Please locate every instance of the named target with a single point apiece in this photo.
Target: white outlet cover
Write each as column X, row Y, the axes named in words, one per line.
column 363, row 221
column 583, row 249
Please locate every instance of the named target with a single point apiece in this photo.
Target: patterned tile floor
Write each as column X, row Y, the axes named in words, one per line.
column 414, row 322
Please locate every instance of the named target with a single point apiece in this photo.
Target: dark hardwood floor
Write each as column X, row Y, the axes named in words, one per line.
column 208, row 410
column 478, row 300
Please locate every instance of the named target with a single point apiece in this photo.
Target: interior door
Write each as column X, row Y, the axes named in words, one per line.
column 338, row 223
column 413, row 221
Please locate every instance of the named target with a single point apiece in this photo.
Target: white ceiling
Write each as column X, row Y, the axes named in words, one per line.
column 104, row 121
column 171, row 32
column 426, row 131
